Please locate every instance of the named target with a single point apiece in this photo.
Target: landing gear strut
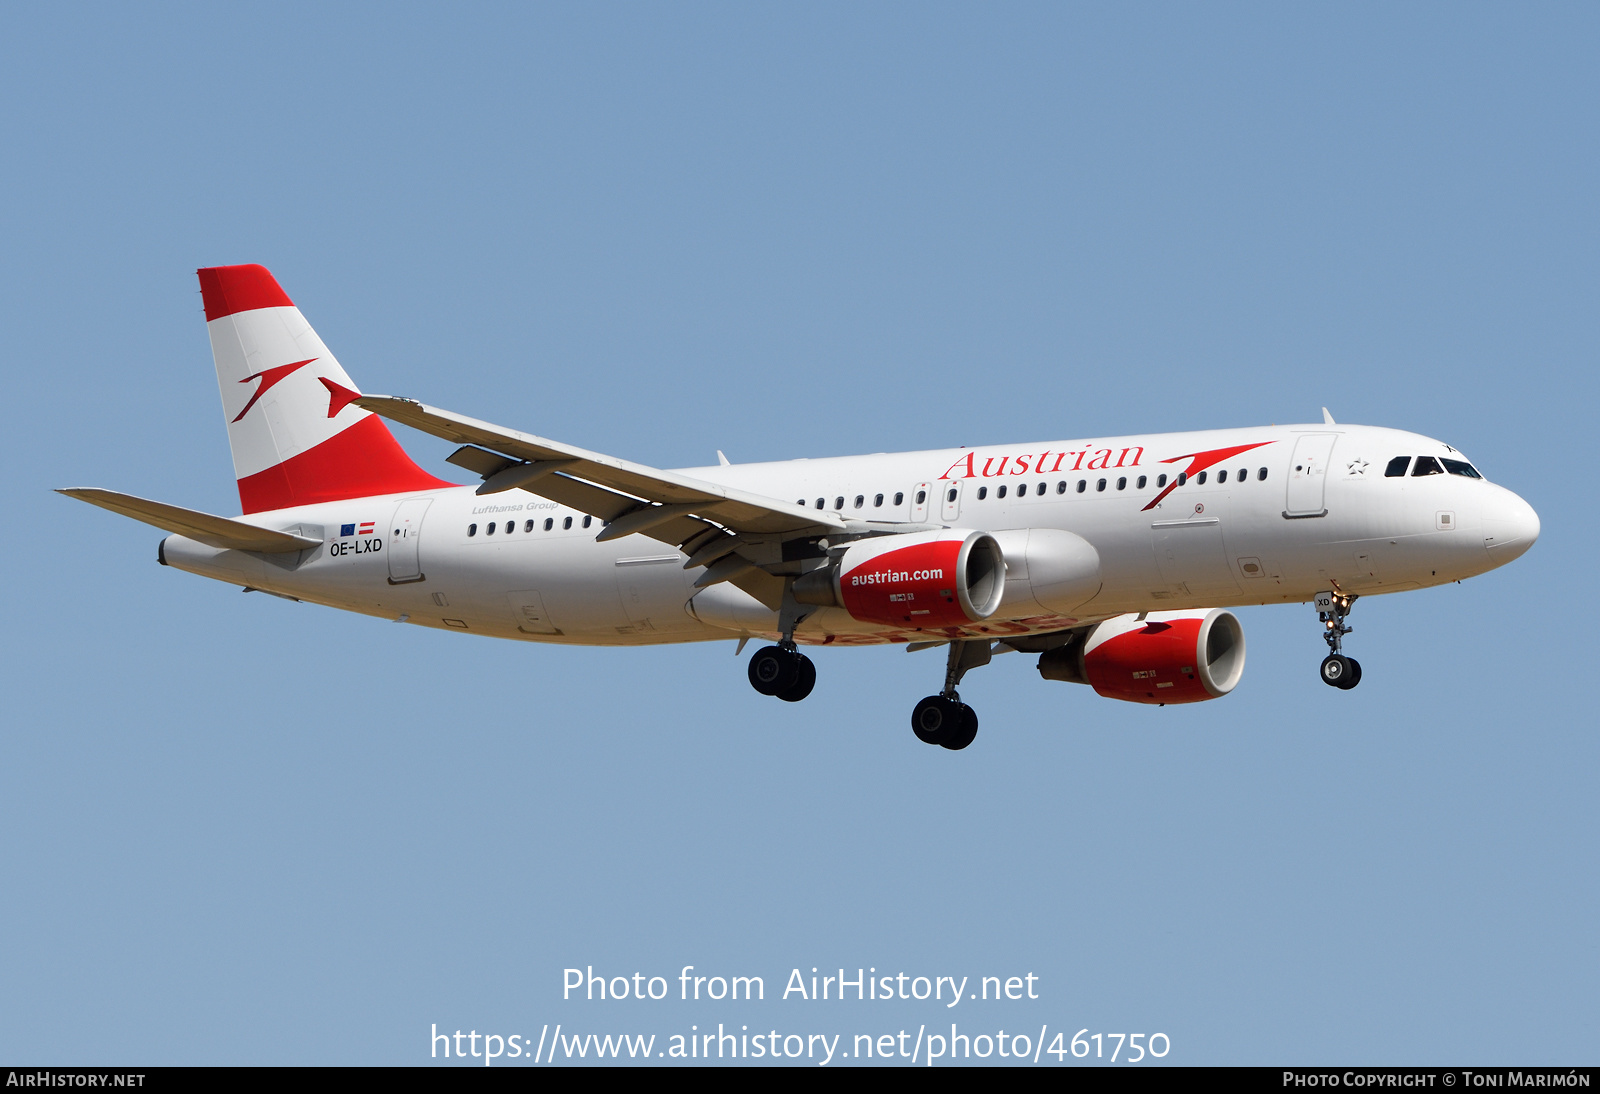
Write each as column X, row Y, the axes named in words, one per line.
column 944, row 719
column 1338, row 670
column 782, row 670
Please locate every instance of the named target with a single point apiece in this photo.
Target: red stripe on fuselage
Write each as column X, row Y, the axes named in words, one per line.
column 226, row 290
column 358, row 462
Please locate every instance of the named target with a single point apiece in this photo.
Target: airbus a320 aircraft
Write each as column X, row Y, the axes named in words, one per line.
column 1111, row 558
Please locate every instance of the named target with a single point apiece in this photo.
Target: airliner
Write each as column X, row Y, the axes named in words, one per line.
column 1114, row 559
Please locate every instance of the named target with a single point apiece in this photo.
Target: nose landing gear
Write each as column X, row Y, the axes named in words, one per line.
column 1337, row 670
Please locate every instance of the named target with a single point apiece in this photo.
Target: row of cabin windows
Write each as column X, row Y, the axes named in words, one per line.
column 528, row 526
column 1428, row 465
column 1040, row 489
column 861, row 500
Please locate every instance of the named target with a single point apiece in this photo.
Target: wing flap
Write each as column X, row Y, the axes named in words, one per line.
column 213, row 531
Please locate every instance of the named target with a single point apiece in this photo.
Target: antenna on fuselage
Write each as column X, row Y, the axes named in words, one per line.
column 1327, row 419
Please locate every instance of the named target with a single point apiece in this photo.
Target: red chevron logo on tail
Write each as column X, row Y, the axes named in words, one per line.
column 268, row 378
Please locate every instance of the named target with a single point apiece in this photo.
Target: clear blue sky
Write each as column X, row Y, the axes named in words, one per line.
column 235, row 829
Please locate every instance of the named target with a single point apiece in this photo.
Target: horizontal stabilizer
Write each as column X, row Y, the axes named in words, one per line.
column 219, row 532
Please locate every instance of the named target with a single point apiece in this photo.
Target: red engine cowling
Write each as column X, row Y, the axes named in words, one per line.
column 943, row 578
column 1167, row 657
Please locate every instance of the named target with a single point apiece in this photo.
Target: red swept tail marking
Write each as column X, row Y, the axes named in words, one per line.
column 268, row 378
column 1201, row 461
column 228, row 290
column 339, row 396
column 361, row 461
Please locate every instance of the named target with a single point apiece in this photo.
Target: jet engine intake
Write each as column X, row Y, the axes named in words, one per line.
column 1163, row 657
column 942, row 578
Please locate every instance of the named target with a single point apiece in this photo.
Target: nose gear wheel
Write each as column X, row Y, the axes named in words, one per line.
column 1337, row 670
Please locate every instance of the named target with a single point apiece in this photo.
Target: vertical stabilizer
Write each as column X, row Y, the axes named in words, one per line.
column 295, row 436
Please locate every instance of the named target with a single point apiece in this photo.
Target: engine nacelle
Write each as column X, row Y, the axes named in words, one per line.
column 1167, row 657
column 1048, row 571
column 945, row 578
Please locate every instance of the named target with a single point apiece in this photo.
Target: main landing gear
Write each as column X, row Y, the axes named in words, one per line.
column 944, row 719
column 1338, row 670
column 783, row 671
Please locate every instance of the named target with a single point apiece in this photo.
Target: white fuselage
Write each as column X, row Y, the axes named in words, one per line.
column 1306, row 508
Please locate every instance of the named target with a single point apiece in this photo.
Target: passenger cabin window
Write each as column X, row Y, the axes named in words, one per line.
column 821, row 503
column 983, row 492
column 567, row 523
column 1061, row 487
column 549, row 523
column 1461, row 467
column 951, row 496
column 1262, row 474
column 1243, row 475
column 1222, row 476
column 1000, row 492
column 1101, row 485
column 1122, row 483
column 1039, row 490
column 1183, row 478
column 861, row 499
column 838, row 502
column 1426, row 465
column 1397, row 467
column 528, row 526
column 877, row 501
column 1161, row 480
column 1083, row 484
column 586, row 521
column 900, row 498
column 489, row 531
column 1142, row 480
column 922, row 496
column 472, row 530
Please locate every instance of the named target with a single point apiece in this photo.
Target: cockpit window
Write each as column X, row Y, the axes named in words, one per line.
column 1462, row 467
column 1397, row 467
column 1426, row 465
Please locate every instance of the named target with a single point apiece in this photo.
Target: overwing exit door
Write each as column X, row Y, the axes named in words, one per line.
column 950, row 500
column 919, row 502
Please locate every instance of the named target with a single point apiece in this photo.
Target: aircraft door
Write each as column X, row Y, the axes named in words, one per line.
column 1308, row 475
column 405, row 537
column 919, row 501
column 950, row 505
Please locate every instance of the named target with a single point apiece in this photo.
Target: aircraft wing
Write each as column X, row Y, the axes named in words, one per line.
column 635, row 498
column 737, row 535
column 213, row 531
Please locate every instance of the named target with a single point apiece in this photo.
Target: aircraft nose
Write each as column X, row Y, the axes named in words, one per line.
column 1509, row 528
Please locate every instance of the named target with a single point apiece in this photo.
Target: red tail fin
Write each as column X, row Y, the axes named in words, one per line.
column 295, row 435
